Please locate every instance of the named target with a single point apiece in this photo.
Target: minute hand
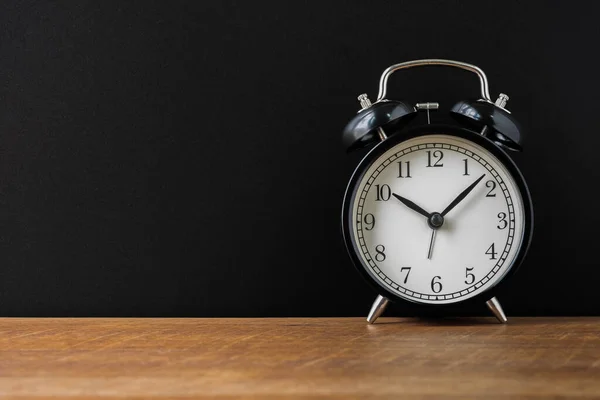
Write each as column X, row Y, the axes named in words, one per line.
column 461, row 196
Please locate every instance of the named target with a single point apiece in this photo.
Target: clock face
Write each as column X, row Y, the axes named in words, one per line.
column 437, row 219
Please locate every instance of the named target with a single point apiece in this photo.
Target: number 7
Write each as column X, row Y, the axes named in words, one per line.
column 407, row 274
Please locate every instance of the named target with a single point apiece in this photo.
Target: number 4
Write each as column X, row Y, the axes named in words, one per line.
column 491, row 251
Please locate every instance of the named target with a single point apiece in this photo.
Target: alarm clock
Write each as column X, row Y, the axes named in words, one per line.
column 436, row 214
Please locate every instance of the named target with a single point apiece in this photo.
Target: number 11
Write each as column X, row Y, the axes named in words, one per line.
column 400, row 175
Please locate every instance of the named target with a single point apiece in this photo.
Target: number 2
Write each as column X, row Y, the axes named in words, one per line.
column 492, row 186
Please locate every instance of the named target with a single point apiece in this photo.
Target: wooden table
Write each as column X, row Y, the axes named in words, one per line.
column 340, row 358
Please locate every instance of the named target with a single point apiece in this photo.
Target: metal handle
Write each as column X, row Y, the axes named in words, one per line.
column 485, row 94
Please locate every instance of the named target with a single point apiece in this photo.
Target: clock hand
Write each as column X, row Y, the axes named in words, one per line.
column 461, row 196
column 431, row 242
column 438, row 220
column 411, row 205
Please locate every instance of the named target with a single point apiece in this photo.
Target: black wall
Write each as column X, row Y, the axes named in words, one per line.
column 184, row 158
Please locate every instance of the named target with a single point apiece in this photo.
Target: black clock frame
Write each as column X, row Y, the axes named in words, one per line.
column 427, row 130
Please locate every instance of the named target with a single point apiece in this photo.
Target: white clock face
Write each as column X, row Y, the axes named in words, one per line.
column 419, row 237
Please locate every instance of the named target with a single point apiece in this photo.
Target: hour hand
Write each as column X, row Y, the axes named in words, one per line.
column 411, row 205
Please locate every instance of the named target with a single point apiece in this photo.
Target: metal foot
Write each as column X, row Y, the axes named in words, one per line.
column 494, row 305
column 377, row 309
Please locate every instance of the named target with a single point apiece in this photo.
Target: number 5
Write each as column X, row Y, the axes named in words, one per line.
column 469, row 277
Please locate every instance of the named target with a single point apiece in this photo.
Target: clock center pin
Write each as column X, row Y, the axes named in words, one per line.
column 435, row 220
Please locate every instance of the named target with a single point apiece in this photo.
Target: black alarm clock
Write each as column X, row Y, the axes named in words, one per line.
column 436, row 214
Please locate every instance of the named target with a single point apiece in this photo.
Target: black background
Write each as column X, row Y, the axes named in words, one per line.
column 184, row 158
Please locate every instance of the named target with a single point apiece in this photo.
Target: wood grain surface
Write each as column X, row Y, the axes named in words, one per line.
column 340, row 358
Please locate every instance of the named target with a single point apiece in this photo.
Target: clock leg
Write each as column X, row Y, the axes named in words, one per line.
column 377, row 309
column 494, row 305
